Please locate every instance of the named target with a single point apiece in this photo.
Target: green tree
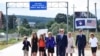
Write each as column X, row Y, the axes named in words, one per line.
column 3, row 20
column 70, row 23
column 40, row 25
column 61, row 18
column 25, row 28
column 61, row 22
column 55, row 27
column 25, row 23
column 25, row 31
column 49, row 24
column 12, row 21
column 63, row 26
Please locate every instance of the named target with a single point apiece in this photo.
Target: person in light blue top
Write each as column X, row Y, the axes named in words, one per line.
column 50, row 44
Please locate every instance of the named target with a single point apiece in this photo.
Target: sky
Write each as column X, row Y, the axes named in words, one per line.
column 80, row 5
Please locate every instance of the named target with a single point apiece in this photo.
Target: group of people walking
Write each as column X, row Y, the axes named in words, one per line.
column 40, row 44
column 64, row 44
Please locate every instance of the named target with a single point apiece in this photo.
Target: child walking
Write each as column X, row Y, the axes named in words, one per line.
column 26, row 45
column 41, row 45
column 93, row 43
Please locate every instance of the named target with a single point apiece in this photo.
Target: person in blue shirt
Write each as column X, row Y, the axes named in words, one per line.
column 50, row 44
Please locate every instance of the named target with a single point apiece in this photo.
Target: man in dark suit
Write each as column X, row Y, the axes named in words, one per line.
column 61, row 43
column 81, row 43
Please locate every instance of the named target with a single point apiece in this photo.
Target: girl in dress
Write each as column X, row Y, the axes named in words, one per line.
column 34, row 44
column 41, row 45
column 70, row 47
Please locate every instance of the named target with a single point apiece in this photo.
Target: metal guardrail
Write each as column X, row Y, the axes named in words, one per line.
column 14, row 35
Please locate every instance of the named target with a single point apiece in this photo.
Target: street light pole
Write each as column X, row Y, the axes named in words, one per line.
column 6, row 22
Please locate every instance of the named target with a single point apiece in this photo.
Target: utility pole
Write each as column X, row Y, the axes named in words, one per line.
column 88, row 17
column 67, row 16
column 73, row 16
column 95, row 4
column 18, row 22
column 87, row 9
column 6, row 22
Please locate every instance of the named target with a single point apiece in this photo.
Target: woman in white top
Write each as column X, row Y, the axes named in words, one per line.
column 93, row 41
column 70, row 47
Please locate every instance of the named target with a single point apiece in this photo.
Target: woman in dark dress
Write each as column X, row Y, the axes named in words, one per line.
column 34, row 44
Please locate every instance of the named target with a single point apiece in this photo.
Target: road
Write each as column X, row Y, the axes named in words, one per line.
column 16, row 50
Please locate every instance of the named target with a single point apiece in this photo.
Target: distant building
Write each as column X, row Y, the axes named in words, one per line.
column 32, row 24
column 1, row 24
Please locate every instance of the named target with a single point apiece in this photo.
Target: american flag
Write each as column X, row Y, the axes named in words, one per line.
column 91, row 23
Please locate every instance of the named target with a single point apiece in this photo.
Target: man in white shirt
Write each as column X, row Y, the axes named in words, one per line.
column 93, row 43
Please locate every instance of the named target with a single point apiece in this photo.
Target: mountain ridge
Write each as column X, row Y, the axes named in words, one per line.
column 35, row 19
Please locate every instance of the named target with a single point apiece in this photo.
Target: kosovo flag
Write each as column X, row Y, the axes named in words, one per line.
column 80, row 23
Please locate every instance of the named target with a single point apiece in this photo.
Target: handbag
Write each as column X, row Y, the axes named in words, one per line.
column 72, row 46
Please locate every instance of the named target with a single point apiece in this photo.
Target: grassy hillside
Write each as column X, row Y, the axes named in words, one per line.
column 35, row 19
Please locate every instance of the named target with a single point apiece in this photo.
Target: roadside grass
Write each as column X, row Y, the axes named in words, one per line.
column 12, row 41
column 4, row 44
